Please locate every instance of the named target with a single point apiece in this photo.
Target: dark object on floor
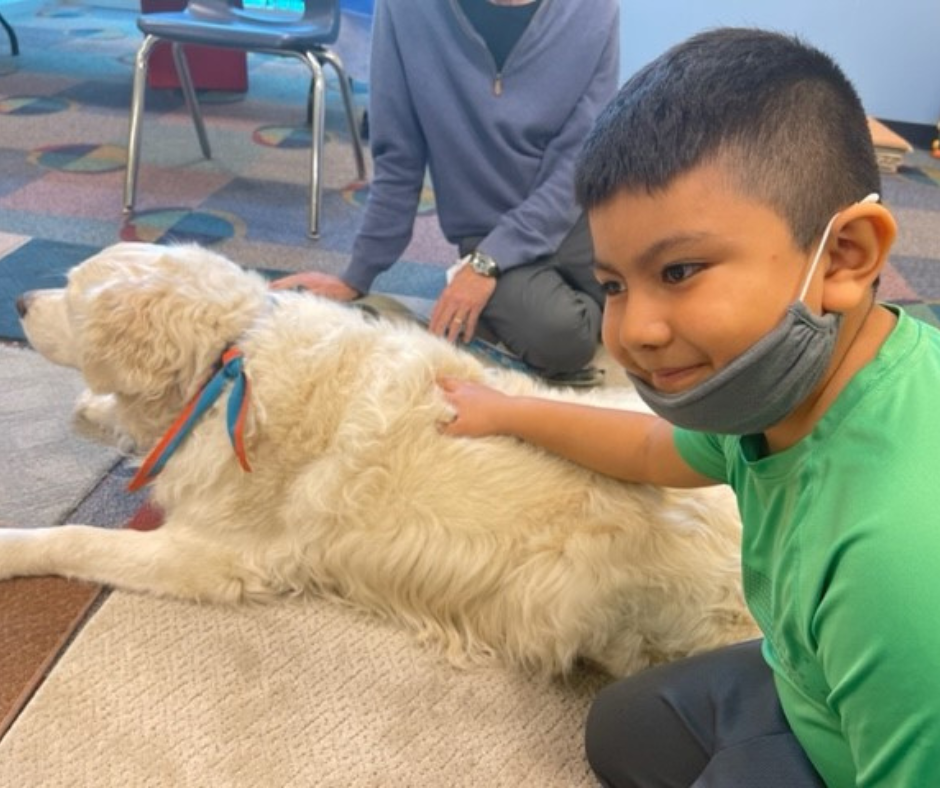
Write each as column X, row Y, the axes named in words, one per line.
column 211, row 68
column 14, row 44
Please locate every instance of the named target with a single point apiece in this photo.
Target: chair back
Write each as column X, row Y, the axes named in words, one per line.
column 326, row 13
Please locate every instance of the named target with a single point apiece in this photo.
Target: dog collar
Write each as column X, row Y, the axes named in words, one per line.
column 231, row 368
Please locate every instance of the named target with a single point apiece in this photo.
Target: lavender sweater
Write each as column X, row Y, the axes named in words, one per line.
column 500, row 147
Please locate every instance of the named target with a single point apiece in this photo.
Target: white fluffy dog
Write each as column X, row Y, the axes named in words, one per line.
column 487, row 548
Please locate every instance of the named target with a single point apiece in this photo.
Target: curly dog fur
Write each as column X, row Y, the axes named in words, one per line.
column 488, row 549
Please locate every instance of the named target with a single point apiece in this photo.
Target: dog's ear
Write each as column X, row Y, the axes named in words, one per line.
column 152, row 333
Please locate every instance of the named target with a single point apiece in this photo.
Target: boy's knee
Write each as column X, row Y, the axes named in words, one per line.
column 613, row 729
column 598, row 734
column 635, row 735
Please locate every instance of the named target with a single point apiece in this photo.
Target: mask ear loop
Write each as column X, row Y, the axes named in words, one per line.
column 869, row 198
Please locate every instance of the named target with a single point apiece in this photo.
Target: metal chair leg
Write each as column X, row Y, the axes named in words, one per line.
column 141, row 62
column 189, row 94
column 345, row 88
column 11, row 33
column 317, row 105
column 318, row 122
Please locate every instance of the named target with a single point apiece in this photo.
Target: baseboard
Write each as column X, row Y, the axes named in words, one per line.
column 920, row 135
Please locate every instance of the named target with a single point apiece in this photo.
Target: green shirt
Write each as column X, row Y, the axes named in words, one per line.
column 841, row 562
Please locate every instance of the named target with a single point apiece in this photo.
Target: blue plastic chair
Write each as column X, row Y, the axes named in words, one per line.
column 219, row 23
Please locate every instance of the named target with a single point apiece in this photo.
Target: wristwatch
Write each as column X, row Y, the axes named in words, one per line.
column 483, row 264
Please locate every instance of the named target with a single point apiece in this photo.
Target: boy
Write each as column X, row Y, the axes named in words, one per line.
column 730, row 193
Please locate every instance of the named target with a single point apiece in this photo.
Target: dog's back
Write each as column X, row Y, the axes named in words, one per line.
column 485, row 545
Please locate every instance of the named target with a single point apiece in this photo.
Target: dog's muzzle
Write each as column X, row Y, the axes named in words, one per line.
column 22, row 304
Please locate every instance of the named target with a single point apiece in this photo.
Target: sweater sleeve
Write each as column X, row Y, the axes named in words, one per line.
column 538, row 225
column 399, row 155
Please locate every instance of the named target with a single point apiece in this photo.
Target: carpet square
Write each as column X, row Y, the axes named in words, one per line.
column 77, row 195
column 33, row 265
column 17, row 171
column 276, row 212
column 158, row 186
column 927, row 176
column 11, row 241
column 894, row 286
column 411, row 279
column 100, row 94
column 922, row 274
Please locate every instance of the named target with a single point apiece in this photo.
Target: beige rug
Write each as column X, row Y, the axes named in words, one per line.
column 163, row 693
column 45, row 471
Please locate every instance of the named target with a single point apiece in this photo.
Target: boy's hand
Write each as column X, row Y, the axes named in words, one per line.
column 322, row 284
column 477, row 408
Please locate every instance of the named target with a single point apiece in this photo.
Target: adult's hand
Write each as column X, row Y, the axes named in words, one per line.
column 458, row 308
column 322, row 284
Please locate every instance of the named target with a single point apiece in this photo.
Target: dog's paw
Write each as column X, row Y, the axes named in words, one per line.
column 95, row 418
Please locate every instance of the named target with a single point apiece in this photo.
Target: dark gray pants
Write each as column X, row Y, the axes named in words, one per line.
column 710, row 721
column 549, row 312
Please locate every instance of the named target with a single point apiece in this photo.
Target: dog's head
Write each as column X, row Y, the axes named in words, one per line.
column 144, row 322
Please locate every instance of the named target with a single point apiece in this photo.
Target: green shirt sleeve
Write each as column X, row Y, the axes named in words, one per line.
column 704, row 452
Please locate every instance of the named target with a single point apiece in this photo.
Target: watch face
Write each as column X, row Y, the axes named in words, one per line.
column 483, row 264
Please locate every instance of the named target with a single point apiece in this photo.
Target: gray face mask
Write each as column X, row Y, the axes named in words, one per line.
column 767, row 381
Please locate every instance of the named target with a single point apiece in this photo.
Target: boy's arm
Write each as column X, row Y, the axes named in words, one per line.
column 631, row 446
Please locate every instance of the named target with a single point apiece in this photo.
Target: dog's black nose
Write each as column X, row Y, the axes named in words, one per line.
column 22, row 305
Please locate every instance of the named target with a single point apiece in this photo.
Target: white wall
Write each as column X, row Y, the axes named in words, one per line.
column 890, row 49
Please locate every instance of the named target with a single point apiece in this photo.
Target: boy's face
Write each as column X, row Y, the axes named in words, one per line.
column 694, row 276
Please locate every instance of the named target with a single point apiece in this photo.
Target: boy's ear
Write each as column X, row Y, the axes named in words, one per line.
column 858, row 249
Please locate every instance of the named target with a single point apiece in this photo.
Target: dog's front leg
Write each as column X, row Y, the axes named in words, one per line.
column 155, row 562
column 95, row 418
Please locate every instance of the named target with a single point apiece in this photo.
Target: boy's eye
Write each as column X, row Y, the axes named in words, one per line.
column 612, row 287
column 679, row 272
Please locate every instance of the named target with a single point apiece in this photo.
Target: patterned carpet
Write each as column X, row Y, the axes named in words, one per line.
column 63, row 131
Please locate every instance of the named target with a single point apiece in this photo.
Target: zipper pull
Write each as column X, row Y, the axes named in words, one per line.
column 498, row 85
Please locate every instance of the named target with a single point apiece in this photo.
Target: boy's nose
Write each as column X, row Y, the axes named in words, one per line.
column 640, row 328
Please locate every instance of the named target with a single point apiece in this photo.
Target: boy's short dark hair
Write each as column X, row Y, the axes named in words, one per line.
column 778, row 114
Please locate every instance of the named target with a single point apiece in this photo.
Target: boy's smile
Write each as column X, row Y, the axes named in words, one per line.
column 694, row 276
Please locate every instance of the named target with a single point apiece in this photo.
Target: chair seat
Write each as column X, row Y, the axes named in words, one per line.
column 236, row 31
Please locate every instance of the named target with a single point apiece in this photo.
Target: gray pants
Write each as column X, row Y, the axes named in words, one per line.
column 548, row 312
column 710, row 721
